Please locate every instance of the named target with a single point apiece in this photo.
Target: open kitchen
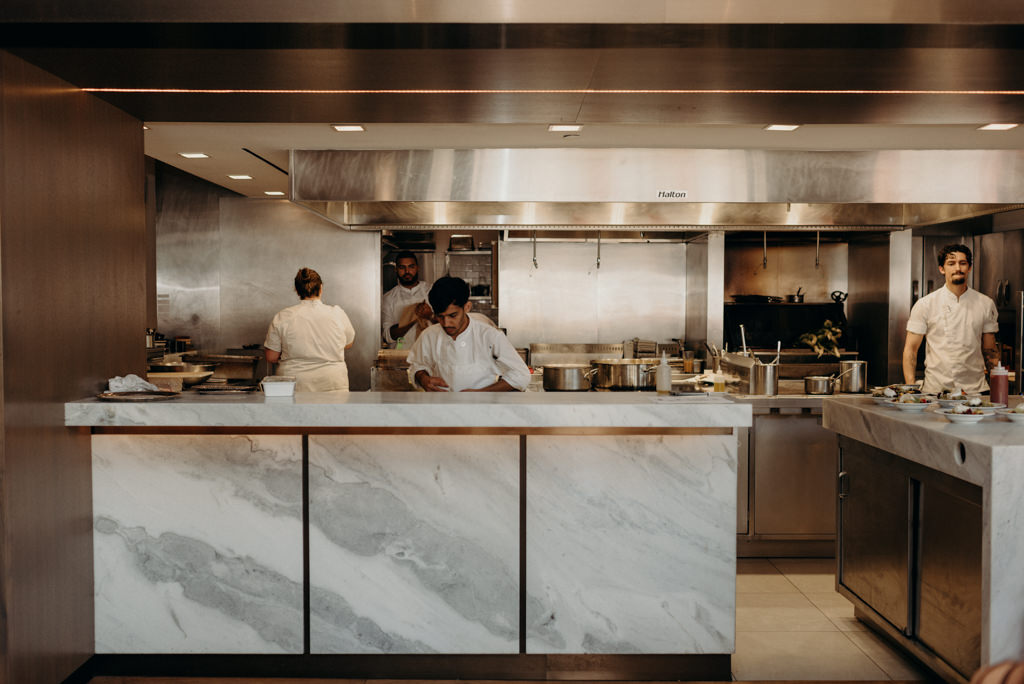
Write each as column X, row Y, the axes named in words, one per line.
column 609, row 521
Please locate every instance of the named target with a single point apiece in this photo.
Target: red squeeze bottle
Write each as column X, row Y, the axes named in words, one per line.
column 999, row 384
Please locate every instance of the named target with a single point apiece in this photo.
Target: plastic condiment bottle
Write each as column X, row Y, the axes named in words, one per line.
column 663, row 376
column 999, row 384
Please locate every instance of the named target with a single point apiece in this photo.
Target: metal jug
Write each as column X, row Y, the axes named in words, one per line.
column 764, row 379
column 853, row 376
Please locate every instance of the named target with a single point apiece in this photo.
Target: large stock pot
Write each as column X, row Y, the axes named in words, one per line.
column 567, row 377
column 624, row 374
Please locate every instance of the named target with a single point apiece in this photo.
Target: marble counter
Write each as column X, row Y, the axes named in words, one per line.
column 399, row 410
column 989, row 454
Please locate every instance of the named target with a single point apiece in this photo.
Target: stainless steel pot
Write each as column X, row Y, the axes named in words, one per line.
column 819, row 384
column 567, row 377
column 795, row 298
column 181, row 367
column 853, row 376
column 624, row 374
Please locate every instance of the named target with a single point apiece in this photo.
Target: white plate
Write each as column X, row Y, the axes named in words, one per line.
column 989, row 409
column 881, row 401
column 950, row 403
column 962, row 417
column 911, row 407
column 1011, row 415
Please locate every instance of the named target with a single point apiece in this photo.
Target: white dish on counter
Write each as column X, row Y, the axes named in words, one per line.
column 950, row 403
column 1010, row 415
column 953, row 417
column 912, row 406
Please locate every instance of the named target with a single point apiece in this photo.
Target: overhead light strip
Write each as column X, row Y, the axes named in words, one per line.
column 540, row 91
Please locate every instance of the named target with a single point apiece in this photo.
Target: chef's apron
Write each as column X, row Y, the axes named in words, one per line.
column 311, row 376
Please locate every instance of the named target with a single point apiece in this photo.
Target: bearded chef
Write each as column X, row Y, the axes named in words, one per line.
column 464, row 352
column 959, row 325
column 404, row 309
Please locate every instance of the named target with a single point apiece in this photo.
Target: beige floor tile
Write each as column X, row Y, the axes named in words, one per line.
column 810, row 575
column 759, row 576
column 779, row 613
column 837, row 609
column 894, row 663
column 801, row 656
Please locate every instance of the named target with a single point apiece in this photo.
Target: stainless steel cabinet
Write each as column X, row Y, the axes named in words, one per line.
column 910, row 555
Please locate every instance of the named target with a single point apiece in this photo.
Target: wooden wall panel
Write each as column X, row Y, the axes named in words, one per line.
column 72, row 296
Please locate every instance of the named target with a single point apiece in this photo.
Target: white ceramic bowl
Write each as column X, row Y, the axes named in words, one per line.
column 950, row 403
column 882, row 401
column 962, row 417
column 1011, row 415
column 278, row 385
column 912, row 407
column 991, row 408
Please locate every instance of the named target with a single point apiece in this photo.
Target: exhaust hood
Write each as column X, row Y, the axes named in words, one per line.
column 675, row 190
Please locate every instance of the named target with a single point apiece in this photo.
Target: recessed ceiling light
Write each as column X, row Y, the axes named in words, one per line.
column 997, row 127
column 145, row 127
column 781, row 127
column 273, row 193
column 194, row 155
column 348, row 128
column 565, row 128
column 239, row 176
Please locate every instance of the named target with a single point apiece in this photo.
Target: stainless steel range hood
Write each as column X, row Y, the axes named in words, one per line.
column 661, row 189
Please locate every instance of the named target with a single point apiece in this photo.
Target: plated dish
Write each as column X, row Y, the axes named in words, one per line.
column 913, row 403
column 1012, row 415
column 952, row 416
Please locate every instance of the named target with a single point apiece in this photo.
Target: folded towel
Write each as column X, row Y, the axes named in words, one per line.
column 130, row 383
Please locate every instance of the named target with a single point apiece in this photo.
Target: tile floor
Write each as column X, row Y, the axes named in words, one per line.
column 791, row 624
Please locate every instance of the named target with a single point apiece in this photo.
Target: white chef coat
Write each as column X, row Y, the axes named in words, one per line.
column 393, row 303
column 312, row 337
column 475, row 359
column 952, row 328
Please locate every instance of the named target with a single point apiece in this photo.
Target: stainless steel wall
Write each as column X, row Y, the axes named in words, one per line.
column 638, row 291
column 788, row 267
column 225, row 266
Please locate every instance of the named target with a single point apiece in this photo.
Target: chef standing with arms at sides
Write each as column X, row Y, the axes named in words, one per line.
column 309, row 339
column 404, row 309
column 960, row 325
column 464, row 352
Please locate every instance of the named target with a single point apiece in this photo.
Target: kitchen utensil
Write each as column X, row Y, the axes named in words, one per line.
column 181, row 367
column 567, row 377
column 854, row 376
column 743, row 338
column 623, row 374
column 778, row 353
column 819, row 384
column 795, row 298
column 764, row 379
column 755, row 299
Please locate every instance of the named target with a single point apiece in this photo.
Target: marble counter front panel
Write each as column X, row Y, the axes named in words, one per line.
column 631, row 544
column 198, row 544
column 414, row 544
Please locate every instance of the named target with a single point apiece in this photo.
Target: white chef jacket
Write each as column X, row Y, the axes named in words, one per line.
column 475, row 359
column 393, row 303
column 312, row 337
column 952, row 328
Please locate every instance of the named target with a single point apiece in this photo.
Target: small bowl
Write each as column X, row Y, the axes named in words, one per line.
column 278, row 385
column 963, row 417
column 1011, row 415
column 912, row 407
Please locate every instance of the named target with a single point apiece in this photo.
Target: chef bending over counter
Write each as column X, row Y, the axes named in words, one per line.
column 463, row 352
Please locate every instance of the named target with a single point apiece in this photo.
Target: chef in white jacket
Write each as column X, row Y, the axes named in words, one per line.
column 309, row 339
column 463, row 352
column 404, row 310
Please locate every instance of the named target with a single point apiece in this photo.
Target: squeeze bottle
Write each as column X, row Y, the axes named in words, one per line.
column 663, row 377
column 999, row 384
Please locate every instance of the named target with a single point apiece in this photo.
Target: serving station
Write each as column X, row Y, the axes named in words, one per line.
column 541, row 535
column 930, row 525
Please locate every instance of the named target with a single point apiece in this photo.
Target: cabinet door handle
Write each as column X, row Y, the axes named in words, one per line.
column 843, row 484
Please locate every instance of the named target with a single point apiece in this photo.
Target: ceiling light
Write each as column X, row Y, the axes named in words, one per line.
column 239, row 176
column 145, row 127
column 273, row 193
column 194, row 155
column 997, row 127
column 782, row 127
column 565, row 128
column 348, row 128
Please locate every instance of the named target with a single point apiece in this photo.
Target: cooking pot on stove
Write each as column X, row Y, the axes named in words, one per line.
column 795, row 298
column 624, row 374
column 567, row 377
column 819, row 384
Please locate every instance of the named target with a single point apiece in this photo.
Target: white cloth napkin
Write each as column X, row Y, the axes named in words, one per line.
column 130, row 383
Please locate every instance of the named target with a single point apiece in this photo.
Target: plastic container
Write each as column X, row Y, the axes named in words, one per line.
column 278, row 385
column 999, row 384
column 663, row 376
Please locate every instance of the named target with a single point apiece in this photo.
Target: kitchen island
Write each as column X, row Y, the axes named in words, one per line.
column 931, row 525
column 539, row 535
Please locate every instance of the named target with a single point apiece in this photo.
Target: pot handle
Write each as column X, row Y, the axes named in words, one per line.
column 588, row 373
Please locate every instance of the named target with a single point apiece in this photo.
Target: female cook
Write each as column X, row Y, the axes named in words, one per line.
column 309, row 339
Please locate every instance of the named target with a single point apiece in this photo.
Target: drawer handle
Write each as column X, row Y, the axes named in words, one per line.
column 843, row 482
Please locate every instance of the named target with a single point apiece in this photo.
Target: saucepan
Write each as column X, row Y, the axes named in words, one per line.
column 567, row 377
column 795, row 298
column 825, row 384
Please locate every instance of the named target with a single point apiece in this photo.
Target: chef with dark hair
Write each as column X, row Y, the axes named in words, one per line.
column 463, row 351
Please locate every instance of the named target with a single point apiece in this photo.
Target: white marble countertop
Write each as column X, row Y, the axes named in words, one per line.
column 927, row 437
column 418, row 410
